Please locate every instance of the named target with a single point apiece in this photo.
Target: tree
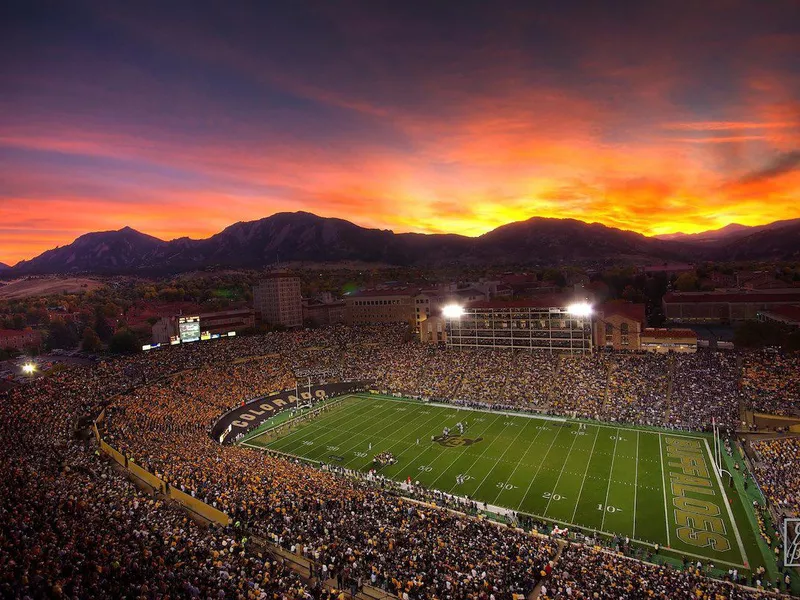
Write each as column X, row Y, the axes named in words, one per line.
column 91, row 341
column 101, row 326
column 124, row 341
column 631, row 294
column 755, row 334
column 61, row 334
column 686, row 282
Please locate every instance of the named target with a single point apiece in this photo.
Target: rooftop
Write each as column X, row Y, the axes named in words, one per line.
column 669, row 333
column 701, row 297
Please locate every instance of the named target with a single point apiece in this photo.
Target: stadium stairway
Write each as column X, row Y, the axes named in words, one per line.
column 670, row 382
column 556, row 375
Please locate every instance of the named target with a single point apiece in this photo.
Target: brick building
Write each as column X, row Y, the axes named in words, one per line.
column 218, row 322
column 277, row 300
column 724, row 307
column 618, row 325
column 371, row 306
column 19, row 339
column 669, row 340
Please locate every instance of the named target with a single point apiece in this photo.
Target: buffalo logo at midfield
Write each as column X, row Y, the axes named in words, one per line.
column 453, row 441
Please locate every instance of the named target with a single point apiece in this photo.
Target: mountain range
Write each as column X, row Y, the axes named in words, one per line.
column 302, row 236
column 727, row 233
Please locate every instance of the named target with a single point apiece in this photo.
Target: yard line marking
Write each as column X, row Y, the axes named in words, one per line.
column 550, row 499
column 460, row 454
column 331, row 434
column 426, row 449
column 635, row 485
column 610, row 475
column 642, row 542
column 541, row 462
column 666, row 510
column 728, row 506
column 342, row 417
column 583, row 481
column 314, row 427
column 368, row 436
column 395, row 442
column 519, row 462
column 488, row 471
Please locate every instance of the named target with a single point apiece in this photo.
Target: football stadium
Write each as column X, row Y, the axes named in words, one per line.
column 606, row 479
column 350, row 461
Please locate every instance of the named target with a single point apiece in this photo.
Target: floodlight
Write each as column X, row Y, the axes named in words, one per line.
column 452, row 311
column 580, row 309
column 28, row 368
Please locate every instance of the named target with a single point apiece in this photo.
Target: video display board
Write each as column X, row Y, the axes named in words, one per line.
column 189, row 329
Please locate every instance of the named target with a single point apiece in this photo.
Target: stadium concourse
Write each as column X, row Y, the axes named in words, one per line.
column 73, row 527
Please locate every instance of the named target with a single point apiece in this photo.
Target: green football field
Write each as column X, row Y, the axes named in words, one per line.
column 654, row 486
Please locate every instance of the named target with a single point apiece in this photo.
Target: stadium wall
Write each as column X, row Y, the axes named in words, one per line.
column 209, row 513
column 242, row 419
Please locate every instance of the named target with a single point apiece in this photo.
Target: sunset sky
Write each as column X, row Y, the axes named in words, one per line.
column 432, row 116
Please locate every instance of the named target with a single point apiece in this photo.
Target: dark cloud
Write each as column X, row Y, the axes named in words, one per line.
column 780, row 165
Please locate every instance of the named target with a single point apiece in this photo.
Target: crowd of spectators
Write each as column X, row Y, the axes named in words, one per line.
column 587, row 572
column 73, row 527
column 771, row 384
column 778, row 472
column 704, row 387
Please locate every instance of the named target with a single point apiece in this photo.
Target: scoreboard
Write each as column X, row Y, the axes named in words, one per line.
column 189, row 329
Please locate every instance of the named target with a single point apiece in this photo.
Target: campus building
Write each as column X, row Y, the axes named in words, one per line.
column 19, row 339
column 323, row 312
column 618, row 325
column 219, row 322
column 669, row 340
column 372, row 306
column 277, row 300
column 536, row 324
column 724, row 307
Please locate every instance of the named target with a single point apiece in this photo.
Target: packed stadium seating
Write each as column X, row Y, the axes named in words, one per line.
column 73, row 527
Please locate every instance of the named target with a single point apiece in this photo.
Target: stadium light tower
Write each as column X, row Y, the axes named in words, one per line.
column 580, row 309
column 452, row 311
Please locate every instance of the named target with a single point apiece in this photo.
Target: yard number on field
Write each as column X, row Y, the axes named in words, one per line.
column 551, row 496
column 503, row 485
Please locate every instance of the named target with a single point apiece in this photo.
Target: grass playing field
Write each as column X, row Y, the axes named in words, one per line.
column 655, row 486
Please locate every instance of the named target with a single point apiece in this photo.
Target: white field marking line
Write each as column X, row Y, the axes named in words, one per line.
column 728, row 506
column 314, row 426
column 541, row 462
column 642, row 542
column 423, row 451
column 451, row 406
column 330, row 403
column 350, row 432
column 394, row 422
column 563, row 466
column 497, row 460
column 423, row 426
column 610, row 476
column 402, row 440
column 666, row 509
column 519, row 462
column 460, row 454
column 583, row 481
column 441, row 414
column 635, row 485
column 294, row 437
column 290, row 439
column 345, row 406
column 332, row 433
column 654, row 430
